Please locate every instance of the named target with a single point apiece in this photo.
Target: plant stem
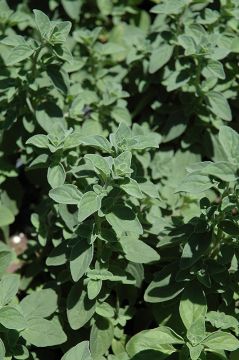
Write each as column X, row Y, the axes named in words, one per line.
column 34, row 61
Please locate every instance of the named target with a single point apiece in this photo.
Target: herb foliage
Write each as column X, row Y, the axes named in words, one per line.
column 119, row 160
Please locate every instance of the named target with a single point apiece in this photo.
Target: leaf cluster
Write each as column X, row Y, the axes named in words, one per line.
column 119, row 152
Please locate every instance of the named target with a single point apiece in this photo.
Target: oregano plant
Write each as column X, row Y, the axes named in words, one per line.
column 119, row 144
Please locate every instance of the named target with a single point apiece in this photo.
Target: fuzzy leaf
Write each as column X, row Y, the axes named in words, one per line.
column 79, row 352
column 66, row 194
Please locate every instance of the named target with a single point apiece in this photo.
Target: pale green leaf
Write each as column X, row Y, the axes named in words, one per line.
column 43, row 23
column 41, row 303
column 80, row 308
column 41, row 332
column 99, row 163
column 101, row 336
column 153, row 339
column 137, row 251
column 222, row 170
column 19, row 53
column 72, row 8
column 122, row 164
column 98, row 142
column 93, row 288
column 9, row 285
column 195, row 184
column 215, row 68
column 193, row 305
column 229, row 140
column 6, row 216
column 221, row 341
column 66, row 194
column 219, row 105
column 123, row 219
column 56, row 175
column 79, row 352
column 159, row 57
column 41, row 141
column 88, row 205
column 131, row 187
column 11, row 318
column 80, row 259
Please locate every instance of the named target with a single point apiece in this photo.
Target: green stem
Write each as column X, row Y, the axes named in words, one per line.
column 217, row 238
column 34, row 61
column 98, row 241
column 198, row 77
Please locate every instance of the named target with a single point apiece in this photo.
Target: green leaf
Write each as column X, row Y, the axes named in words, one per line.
column 197, row 331
column 188, row 43
column 56, row 176
column 59, row 255
column 80, row 259
column 80, row 308
column 41, row 141
column 153, row 339
column 229, row 227
column 222, row 321
column 105, row 7
column 41, row 303
column 195, row 184
column 60, row 32
column 219, row 105
column 194, row 249
column 2, row 350
column 50, row 117
column 105, row 310
column 122, row 164
column 121, row 114
column 163, row 287
column 192, row 306
column 62, row 52
column 11, row 318
column 222, row 170
column 141, row 142
column 159, row 57
column 122, row 134
column 137, row 251
column 195, row 351
column 5, row 259
column 93, row 288
column 66, row 194
column 149, row 188
column 172, row 129
column 88, row 205
column 59, row 78
column 18, row 54
column 101, row 336
column 9, row 285
column 103, row 275
column 131, row 187
column 99, row 163
column 72, row 8
column 6, row 216
column 98, row 142
column 43, row 24
column 229, row 140
column 123, row 219
column 215, row 68
column 41, row 332
column 73, row 140
column 221, row 341
column 79, row 352
column 169, row 7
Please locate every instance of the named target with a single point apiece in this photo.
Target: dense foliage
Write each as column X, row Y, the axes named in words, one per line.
column 119, row 220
